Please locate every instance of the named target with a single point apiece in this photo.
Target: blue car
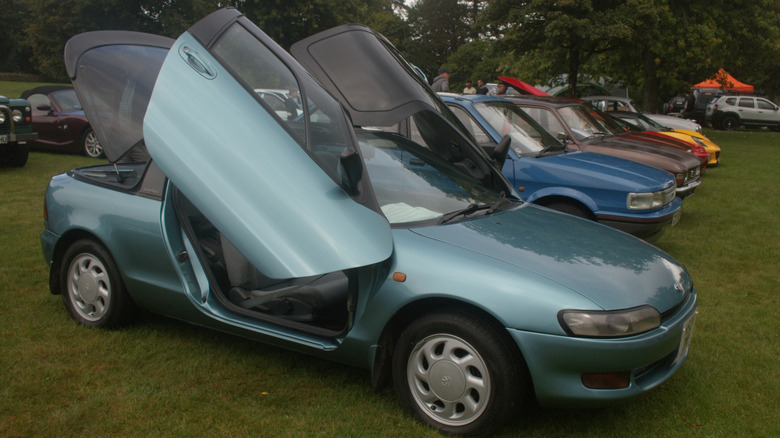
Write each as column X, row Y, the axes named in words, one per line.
column 414, row 259
column 623, row 194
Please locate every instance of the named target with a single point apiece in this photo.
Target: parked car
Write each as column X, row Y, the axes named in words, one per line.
column 615, row 103
column 15, row 131
column 644, row 123
column 571, row 120
column 703, row 97
column 620, row 128
column 623, row 194
column 675, row 106
column 415, row 260
column 730, row 112
column 60, row 122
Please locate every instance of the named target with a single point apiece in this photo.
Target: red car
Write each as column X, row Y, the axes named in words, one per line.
column 60, row 122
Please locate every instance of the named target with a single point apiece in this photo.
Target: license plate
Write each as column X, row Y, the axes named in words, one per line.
column 676, row 217
column 687, row 335
column 3, row 139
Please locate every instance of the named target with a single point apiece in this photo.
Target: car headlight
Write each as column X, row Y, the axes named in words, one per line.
column 646, row 201
column 609, row 324
column 18, row 116
column 2, row 117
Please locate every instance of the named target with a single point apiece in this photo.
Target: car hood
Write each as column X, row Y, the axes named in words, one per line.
column 251, row 173
column 616, row 172
column 614, row 270
column 651, row 152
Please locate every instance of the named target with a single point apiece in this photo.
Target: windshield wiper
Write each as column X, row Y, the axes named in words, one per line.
column 463, row 211
column 550, row 148
column 471, row 208
column 498, row 202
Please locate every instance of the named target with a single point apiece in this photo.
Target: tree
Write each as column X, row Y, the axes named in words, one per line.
column 288, row 21
column 544, row 39
column 437, row 28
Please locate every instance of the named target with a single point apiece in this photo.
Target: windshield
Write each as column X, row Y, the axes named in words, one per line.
column 66, row 100
column 413, row 183
column 528, row 137
column 608, row 124
column 580, row 123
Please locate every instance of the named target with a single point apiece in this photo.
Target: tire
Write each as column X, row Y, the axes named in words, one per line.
column 18, row 155
column 91, row 287
column 459, row 374
column 571, row 209
column 730, row 123
column 90, row 144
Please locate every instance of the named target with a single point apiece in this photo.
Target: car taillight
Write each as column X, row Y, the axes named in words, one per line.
column 715, row 107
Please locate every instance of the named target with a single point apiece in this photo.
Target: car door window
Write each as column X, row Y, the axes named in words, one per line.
column 316, row 122
column 475, row 130
column 765, row 105
column 746, row 103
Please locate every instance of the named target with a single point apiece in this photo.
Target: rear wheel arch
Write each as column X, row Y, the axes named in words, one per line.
column 63, row 243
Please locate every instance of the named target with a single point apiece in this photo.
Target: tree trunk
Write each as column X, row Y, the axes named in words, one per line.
column 574, row 66
column 651, row 86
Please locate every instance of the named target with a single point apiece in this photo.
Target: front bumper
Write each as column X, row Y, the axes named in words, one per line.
column 647, row 226
column 557, row 363
column 688, row 188
column 18, row 138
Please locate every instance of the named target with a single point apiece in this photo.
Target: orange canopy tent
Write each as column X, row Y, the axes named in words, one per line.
column 724, row 81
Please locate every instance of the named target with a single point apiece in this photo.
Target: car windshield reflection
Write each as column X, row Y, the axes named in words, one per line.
column 528, row 137
column 413, row 184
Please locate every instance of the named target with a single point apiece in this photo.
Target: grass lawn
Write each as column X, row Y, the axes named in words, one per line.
column 160, row 377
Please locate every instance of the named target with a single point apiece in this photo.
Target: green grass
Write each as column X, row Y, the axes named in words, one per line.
column 13, row 90
column 160, row 377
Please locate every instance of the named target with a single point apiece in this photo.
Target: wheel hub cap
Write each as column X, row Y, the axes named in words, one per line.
column 447, row 380
column 88, row 288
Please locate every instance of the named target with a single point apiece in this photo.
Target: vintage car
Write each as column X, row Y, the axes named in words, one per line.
column 572, row 120
column 623, row 194
column 641, row 122
column 415, row 260
column 60, row 122
column 15, row 131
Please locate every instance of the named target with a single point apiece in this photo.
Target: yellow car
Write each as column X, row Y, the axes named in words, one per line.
column 645, row 123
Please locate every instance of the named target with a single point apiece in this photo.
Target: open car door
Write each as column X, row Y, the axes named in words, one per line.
column 289, row 192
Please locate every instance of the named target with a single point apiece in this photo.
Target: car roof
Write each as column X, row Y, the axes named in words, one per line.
column 44, row 89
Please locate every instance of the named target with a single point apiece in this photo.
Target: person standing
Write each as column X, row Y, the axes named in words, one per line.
column 481, row 88
column 441, row 82
column 469, row 89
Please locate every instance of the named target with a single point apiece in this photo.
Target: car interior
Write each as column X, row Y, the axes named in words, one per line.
column 322, row 303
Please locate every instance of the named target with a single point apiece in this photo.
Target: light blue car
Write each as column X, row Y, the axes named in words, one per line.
column 415, row 260
column 623, row 194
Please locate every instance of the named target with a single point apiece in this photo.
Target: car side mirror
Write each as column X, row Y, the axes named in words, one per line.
column 44, row 107
column 499, row 153
column 351, row 171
